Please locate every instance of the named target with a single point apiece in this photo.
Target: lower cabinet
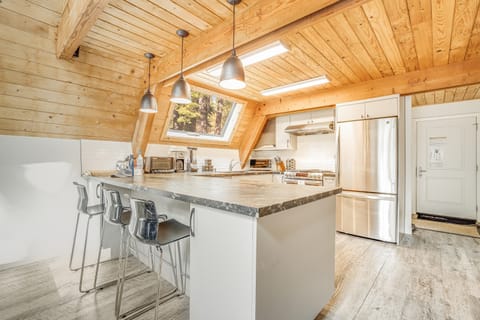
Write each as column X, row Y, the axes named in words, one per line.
column 222, row 245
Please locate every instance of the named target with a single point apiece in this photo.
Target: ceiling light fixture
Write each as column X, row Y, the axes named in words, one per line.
column 274, row 49
column 296, row 86
column 181, row 93
column 233, row 74
column 149, row 102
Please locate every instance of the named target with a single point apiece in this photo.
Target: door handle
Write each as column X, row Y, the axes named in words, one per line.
column 420, row 171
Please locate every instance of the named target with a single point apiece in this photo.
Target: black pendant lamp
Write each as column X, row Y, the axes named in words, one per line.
column 181, row 93
column 233, row 75
column 149, row 102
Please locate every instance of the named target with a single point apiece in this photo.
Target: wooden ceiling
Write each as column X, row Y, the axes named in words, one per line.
column 462, row 93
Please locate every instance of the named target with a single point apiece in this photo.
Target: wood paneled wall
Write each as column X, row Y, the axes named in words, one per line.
column 94, row 96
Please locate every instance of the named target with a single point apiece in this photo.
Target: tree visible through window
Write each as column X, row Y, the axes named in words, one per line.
column 207, row 115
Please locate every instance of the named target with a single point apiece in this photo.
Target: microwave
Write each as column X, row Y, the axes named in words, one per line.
column 159, row 164
column 265, row 164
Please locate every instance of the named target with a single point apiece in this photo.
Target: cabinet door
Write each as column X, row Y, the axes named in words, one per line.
column 382, row 108
column 283, row 140
column 350, row 112
column 222, row 265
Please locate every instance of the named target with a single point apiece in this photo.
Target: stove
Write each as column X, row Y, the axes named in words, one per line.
column 310, row 177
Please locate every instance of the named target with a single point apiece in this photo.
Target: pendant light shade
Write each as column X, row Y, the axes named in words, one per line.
column 148, row 103
column 181, row 92
column 233, row 74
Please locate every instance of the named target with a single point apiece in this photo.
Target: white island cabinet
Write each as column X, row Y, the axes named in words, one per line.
column 259, row 250
column 273, row 267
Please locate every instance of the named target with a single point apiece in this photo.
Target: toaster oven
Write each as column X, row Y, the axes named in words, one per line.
column 159, row 164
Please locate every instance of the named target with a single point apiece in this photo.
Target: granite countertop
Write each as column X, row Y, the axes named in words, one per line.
column 252, row 198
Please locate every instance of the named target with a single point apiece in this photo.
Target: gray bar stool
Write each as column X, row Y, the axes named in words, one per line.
column 115, row 214
column 156, row 232
column 90, row 212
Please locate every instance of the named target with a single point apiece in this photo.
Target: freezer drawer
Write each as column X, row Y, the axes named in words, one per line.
column 368, row 215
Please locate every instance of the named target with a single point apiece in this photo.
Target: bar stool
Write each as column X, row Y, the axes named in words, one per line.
column 156, row 232
column 90, row 212
column 115, row 214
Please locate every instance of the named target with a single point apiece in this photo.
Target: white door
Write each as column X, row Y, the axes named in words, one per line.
column 446, row 167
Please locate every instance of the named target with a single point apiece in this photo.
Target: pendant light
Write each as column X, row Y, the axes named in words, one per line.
column 181, row 93
column 149, row 102
column 233, row 75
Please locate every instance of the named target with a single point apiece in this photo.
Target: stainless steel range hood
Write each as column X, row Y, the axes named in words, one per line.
column 311, row 128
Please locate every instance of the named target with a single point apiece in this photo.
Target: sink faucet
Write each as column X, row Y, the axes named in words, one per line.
column 232, row 164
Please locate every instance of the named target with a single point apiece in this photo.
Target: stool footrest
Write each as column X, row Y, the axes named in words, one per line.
column 150, row 305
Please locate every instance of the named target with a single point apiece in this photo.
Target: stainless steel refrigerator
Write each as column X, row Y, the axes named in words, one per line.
column 368, row 170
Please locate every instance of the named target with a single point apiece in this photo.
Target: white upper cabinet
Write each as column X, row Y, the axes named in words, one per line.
column 368, row 109
column 284, row 140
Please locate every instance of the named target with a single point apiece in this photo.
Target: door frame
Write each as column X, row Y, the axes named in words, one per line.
column 414, row 154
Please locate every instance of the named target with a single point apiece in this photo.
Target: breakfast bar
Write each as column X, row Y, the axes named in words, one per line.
column 258, row 249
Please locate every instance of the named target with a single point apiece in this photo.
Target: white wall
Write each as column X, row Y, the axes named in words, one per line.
column 312, row 152
column 37, row 198
column 453, row 109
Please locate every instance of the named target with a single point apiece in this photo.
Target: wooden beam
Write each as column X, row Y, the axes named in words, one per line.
column 143, row 128
column 78, row 17
column 260, row 24
column 441, row 77
column 251, row 138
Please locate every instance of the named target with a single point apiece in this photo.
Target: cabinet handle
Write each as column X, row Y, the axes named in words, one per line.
column 367, row 115
column 192, row 222
column 361, row 116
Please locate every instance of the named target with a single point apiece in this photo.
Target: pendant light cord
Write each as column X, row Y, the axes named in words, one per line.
column 149, row 60
column 181, row 64
column 234, row 52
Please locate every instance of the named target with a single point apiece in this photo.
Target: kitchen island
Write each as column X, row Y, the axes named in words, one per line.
column 259, row 250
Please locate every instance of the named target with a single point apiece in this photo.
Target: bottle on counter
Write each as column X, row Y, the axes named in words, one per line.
column 138, row 171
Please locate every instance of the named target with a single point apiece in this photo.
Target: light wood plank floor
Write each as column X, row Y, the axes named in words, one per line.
column 431, row 275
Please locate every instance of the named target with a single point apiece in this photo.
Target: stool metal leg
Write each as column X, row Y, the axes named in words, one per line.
column 121, row 272
column 80, row 286
column 102, row 233
column 174, row 265
column 73, row 243
column 159, row 278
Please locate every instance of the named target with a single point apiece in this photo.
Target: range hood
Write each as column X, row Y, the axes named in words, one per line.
column 311, row 128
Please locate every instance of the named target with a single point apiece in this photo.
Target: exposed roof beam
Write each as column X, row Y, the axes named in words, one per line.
column 440, row 77
column 77, row 19
column 259, row 24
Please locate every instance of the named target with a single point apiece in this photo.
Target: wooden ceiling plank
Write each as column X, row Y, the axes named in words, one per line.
column 345, row 32
column 167, row 17
column 198, row 9
column 49, row 59
column 463, row 23
column 399, row 17
column 442, row 16
column 52, row 5
column 63, row 109
column 430, row 97
column 471, row 92
column 77, row 20
column 141, row 25
column 421, row 21
column 359, row 23
column 32, row 10
column 97, row 34
column 180, row 12
column 421, row 99
column 460, row 93
column 25, row 38
column 87, row 47
column 415, row 100
column 473, row 49
column 153, row 22
column 309, row 50
column 477, row 95
column 26, row 24
column 99, row 42
column 10, row 89
column 158, row 47
column 451, row 75
column 449, row 94
column 380, row 24
column 263, row 18
column 130, row 26
column 439, row 96
column 36, row 69
column 329, row 35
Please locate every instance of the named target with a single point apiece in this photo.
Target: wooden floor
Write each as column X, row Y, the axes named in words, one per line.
column 431, row 275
